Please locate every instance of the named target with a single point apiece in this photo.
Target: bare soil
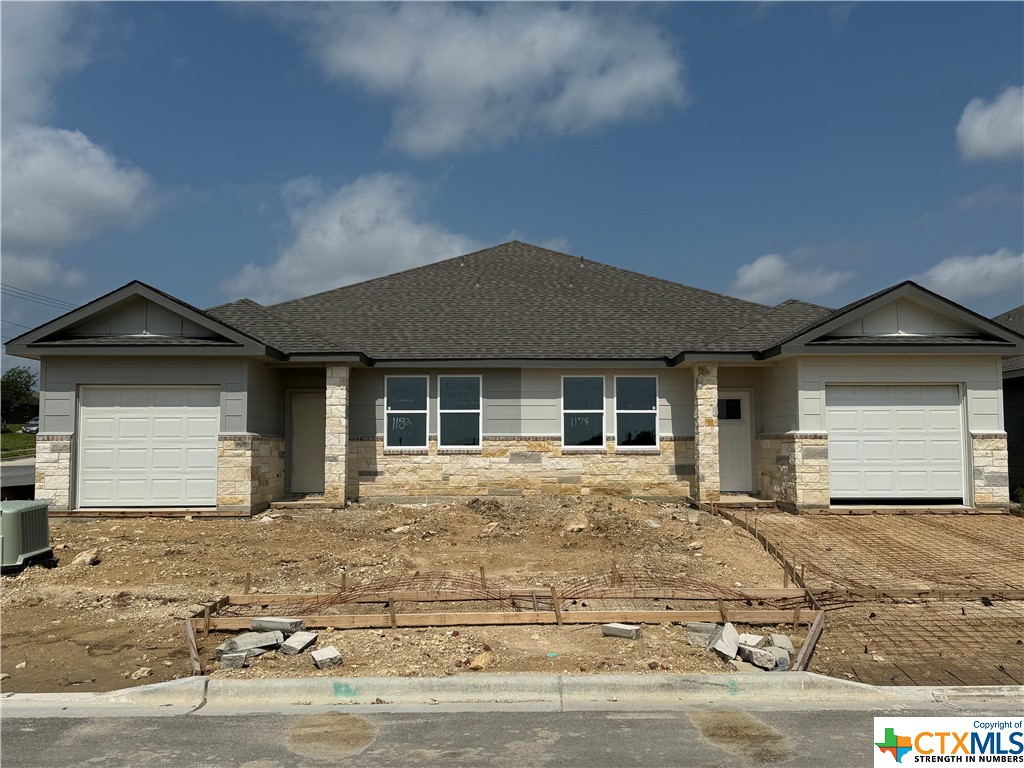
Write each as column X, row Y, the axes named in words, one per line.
column 89, row 628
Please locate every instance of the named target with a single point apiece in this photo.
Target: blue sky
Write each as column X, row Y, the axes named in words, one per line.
column 767, row 150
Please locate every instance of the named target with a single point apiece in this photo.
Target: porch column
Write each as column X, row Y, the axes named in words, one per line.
column 705, row 433
column 336, row 435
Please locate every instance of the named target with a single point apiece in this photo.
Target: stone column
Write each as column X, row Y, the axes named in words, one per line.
column 705, row 432
column 53, row 470
column 990, row 460
column 336, row 437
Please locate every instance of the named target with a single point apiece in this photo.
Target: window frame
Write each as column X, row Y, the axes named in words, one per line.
column 563, row 411
column 479, row 411
column 425, row 412
column 656, row 412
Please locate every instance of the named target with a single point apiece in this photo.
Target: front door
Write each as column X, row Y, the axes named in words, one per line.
column 735, row 442
column 306, row 441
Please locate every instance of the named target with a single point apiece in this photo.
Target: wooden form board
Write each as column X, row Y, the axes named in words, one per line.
column 396, row 619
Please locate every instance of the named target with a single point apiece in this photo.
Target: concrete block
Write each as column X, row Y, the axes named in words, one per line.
column 701, row 633
column 628, row 631
column 769, row 657
column 249, row 641
column 327, row 657
column 726, row 642
column 753, row 641
column 234, row 660
column 297, row 643
column 781, row 641
column 744, row 666
column 277, row 624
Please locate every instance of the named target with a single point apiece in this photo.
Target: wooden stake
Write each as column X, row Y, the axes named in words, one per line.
column 391, row 613
column 803, row 582
column 721, row 611
column 796, row 617
column 248, row 582
column 483, row 578
column 206, row 621
column 344, row 581
column 534, row 596
column 557, row 608
column 785, row 574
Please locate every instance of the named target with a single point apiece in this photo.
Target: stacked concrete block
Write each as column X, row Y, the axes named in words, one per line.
column 297, row 643
column 249, row 641
column 705, row 419
column 991, row 478
column 726, row 642
column 336, row 437
column 285, row 626
column 53, row 470
column 701, row 633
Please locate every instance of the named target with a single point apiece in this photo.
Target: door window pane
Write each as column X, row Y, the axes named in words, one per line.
column 729, row 409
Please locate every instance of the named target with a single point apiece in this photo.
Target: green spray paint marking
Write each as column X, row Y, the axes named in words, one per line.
column 346, row 690
column 732, row 685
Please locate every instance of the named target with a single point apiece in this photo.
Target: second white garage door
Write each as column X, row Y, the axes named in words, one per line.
column 899, row 442
column 148, row 446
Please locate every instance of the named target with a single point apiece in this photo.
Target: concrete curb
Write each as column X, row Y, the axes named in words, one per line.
column 496, row 692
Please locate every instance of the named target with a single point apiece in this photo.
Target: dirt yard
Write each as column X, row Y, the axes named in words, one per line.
column 89, row 628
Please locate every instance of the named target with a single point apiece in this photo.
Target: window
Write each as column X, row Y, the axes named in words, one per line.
column 636, row 411
column 582, row 411
column 729, row 409
column 405, row 411
column 459, row 411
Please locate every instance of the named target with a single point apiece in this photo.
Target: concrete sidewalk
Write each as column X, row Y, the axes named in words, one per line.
column 519, row 693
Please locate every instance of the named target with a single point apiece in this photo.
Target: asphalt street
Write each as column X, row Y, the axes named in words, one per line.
column 709, row 739
column 18, row 472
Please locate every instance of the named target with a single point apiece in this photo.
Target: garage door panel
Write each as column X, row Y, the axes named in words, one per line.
column 132, row 428
column 895, row 441
column 877, row 450
column 877, row 420
column 148, row 446
column 132, row 458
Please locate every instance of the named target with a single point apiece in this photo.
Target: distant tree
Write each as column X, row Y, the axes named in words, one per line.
column 16, row 388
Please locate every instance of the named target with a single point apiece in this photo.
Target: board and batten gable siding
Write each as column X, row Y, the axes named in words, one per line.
column 59, row 379
column 140, row 316
column 980, row 375
column 522, row 402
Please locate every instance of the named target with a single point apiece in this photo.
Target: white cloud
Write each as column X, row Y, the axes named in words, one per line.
column 59, row 188
column 966, row 277
column 772, row 278
column 993, row 130
column 371, row 227
column 465, row 76
column 41, row 41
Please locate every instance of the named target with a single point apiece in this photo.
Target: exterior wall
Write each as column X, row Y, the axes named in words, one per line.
column 990, row 477
column 264, row 399
column 60, row 377
column 53, row 470
column 250, row 472
column 980, row 377
column 1013, row 401
column 777, row 398
column 517, row 466
column 793, row 470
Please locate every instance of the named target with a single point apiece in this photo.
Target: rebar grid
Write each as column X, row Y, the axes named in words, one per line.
column 425, row 593
column 893, row 552
column 949, row 642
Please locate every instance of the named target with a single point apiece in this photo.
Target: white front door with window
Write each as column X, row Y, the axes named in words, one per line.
column 735, row 442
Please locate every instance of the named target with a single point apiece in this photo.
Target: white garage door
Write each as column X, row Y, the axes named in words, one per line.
column 900, row 442
column 148, row 446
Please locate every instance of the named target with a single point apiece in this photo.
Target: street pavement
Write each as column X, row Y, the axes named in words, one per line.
column 705, row 738
column 18, row 472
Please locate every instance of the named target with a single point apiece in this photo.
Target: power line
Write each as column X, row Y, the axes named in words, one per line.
column 37, row 298
column 4, row 319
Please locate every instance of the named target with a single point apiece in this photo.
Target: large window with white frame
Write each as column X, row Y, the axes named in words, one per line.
column 460, row 421
column 636, row 411
column 405, row 411
column 583, row 411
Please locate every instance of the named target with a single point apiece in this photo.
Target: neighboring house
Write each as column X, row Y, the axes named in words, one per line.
column 514, row 371
column 1013, row 398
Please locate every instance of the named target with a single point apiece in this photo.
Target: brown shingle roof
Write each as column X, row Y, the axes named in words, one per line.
column 1014, row 320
